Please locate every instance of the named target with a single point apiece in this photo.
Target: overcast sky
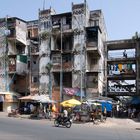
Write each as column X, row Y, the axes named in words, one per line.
column 122, row 17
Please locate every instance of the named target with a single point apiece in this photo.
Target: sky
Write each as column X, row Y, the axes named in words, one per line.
column 121, row 16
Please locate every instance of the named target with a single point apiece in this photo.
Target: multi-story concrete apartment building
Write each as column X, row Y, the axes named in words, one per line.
column 65, row 54
column 33, row 55
column 13, row 61
column 123, row 66
column 71, row 53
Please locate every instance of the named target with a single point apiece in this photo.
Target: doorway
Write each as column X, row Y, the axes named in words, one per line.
column 1, row 106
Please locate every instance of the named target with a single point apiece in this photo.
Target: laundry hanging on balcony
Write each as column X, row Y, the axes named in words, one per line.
column 21, row 64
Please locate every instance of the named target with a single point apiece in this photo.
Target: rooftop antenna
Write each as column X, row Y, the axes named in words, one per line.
column 44, row 4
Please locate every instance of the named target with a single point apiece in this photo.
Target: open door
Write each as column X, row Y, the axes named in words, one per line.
column 1, row 106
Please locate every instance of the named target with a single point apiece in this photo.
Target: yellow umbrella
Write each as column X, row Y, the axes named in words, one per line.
column 72, row 102
column 65, row 104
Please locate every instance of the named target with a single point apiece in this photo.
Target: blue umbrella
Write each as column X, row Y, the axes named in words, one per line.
column 135, row 100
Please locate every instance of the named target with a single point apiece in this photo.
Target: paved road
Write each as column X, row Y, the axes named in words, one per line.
column 25, row 129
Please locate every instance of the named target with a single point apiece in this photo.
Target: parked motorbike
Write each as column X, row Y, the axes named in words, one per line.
column 63, row 121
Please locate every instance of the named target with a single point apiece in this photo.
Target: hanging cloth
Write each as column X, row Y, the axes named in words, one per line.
column 120, row 67
column 125, row 66
column 129, row 66
column 112, row 67
column 116, row 67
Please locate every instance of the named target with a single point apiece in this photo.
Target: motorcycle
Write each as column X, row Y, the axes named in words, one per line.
column 63, row 121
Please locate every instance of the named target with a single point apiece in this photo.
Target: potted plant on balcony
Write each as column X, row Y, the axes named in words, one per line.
column 45, row 35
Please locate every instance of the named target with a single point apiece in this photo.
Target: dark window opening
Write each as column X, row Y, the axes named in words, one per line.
column 34, row 62
column 29, row 34
column 20, row 49
column 92, row 80
column 12, row 32
column 67, row 79
column 66, row 58
column 35, row 79
column 66, row 44
column 14, row 82
column 92, row 34
column 28, row 64
column 56, row 79
column 56, row 59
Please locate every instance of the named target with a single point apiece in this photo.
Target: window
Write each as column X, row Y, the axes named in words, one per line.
column 96, row 23
column 28, row 64
column 56, row 59
column 47, row 24
column 66, row 58
column 29, row 34
column 92, row 34
column 14, row 82
column 34, row 62
column 35, row 79
column 92, row 80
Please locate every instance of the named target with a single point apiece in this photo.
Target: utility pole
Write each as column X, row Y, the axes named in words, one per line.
column 81, row 75
column 7, row 32
column 61, row 63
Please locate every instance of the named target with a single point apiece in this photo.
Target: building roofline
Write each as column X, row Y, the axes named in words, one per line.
column 17, row 19
column 32, row 20
column 62, row 14
column 119, row 41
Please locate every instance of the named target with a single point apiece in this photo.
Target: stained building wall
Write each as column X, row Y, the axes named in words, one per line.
column 45, row 25
column 79, row 21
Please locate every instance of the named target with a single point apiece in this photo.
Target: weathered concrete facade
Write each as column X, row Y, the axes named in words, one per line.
column 33, row 56
column 74, row 49
column 65, row 54
column 13, row 59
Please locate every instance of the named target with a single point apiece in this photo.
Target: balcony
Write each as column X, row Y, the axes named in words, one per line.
column 67, row 66
column 12, row 34
column 66, row 29
column 122, row 71
column 122, row 77
column 12, row 69
column 35, row 51
column 92, row 39
column 92, row 47
column 128, row 55
column 94, row 68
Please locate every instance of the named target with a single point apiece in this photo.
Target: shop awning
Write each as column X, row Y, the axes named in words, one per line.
column 9, row 93
column 43, row 99
column 38, row 98
column 10, row 96
column 29, row 97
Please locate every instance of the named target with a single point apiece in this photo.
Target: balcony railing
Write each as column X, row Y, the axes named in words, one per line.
column 92, row 44
column 67, row 66
column 65, row 27
column 12, row 68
